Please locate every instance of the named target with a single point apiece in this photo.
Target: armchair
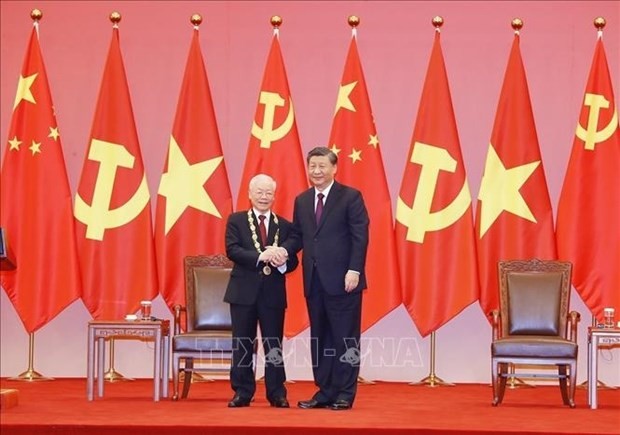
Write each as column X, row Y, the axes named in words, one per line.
column 533, row 325
column 208, row 336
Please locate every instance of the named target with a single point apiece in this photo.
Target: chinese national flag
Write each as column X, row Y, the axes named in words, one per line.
column 588, row 224
column 275, row 150
column 514, row 219
column 112, row 204
column 354, row 139
column 435, row 229
column 194, row 195
column 36, row 203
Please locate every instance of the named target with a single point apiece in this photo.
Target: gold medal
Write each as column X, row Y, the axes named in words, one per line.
column 267, row 270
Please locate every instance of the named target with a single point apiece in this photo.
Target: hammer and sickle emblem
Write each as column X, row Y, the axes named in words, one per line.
column 98, row 216
column 267, row 134
column 590, row 135
column 419, row 219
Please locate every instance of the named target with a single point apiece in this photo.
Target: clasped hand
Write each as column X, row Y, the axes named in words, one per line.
column 274, row 255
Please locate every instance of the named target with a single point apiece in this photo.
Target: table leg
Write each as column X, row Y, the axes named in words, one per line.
column 166, row 365
column 90, row 364
column 157, row 365
column 592, row 384
column 100, row 364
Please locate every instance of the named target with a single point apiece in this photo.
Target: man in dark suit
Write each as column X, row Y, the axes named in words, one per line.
column 256, row 293
column 330, row 224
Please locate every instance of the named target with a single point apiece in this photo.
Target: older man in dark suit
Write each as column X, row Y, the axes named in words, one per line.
column 257, row 293
column 330, row 224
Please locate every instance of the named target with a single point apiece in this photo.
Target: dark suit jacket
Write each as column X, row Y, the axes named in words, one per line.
column 247, row 277
column 339, row 242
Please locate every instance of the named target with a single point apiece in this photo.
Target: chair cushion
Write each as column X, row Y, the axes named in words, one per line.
column 534, row 346
column 210, row 310
column 534, row 300
column 202, row 341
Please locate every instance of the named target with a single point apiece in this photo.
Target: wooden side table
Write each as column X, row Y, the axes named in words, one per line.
column 597, row 337
column 157, row 331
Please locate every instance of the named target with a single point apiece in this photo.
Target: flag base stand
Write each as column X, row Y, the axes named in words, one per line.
column 31, row 375
column 112, row 375
column 599, row 385
column 432, row 380
column 362, row 381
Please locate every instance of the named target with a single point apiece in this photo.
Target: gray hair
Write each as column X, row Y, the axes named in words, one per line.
column 262, row 177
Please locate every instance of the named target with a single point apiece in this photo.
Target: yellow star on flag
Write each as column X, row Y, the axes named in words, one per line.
column 344, row 99
column 499, row 190
column 374, row 140
column 54, row 134
column 183, row 185
column 355, row 156
column 15, row 143
column 23, row 90
column 335, row 149
column 35, row 147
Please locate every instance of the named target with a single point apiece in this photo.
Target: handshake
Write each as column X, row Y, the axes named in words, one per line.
column 274, row 255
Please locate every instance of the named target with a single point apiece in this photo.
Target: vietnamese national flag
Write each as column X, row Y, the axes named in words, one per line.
column 275, row 150
column 434, row 228
column 194, row 198
column 514, row 219
column 354, row 139
column 588, row 223
column 35, row 200
column 112, row 204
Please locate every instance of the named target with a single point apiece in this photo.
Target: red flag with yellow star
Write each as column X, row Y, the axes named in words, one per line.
column 354, row 139
column 514, row 219
column 588, row 230
column 36, row 203
column 112, row 204
column 274, row 149
column 194, row 197
column 434, row 220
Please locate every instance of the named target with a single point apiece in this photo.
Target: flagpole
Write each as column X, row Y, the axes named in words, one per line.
column 112, row 375
column 31, row 375
column 432, row 380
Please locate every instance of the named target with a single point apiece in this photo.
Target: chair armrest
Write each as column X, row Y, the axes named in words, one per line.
column 495, row 316
column 178, row 309
column 573, row 318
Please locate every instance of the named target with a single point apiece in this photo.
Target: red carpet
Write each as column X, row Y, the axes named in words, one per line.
column 60, row 407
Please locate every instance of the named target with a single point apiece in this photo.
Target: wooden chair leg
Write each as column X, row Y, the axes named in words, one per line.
column 563, row 383
column 175, row 377
column 572, row 383
column 494, row 381
column 503, row 371
column 187, row 378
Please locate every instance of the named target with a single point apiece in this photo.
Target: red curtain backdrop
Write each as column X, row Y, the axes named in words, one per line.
column 274, row 149
column 588, row 223
column 514, row 219
column 435, row 228
column 112, row 204
column 194, row 198
column 355, row 140
column 36, row 205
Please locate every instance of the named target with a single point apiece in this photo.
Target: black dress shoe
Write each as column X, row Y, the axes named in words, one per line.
column 311, row 404
column 341, row 405
column 239, row 402
column 279, row 402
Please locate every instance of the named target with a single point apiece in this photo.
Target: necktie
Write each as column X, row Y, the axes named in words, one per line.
column 262, row 229
column 319, row 207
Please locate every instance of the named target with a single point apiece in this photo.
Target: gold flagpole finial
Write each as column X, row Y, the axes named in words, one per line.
column 517, row 24
column 36, row 14
column 196, row 20
column 115, row 18
column 600, row 23
column 276, row 21
column 353, row 21
column 437, row 21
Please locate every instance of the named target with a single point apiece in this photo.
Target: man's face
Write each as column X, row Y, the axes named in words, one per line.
column 262, row 195
column 321, row 171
